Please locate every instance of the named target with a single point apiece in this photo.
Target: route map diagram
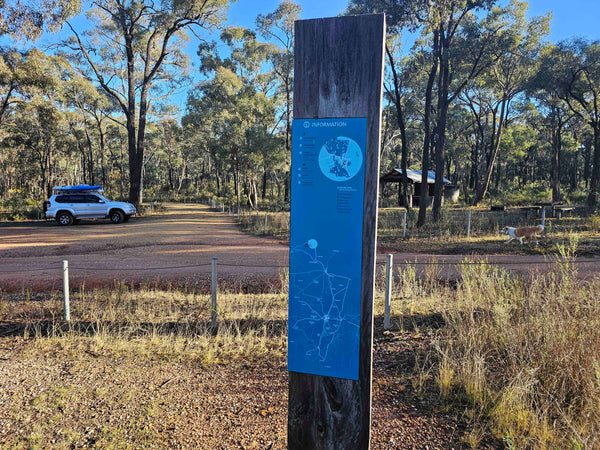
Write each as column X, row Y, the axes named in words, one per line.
column 326, row 324
column 340, row 158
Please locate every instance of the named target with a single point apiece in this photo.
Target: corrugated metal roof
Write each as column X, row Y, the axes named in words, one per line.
column 415, row 175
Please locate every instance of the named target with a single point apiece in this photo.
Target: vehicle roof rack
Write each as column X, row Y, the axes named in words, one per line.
column 77, row 189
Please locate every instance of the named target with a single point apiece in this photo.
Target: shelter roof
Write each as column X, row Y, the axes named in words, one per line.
column 413, row 175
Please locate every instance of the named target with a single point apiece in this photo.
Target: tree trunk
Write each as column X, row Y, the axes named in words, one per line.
column 135, row 162
column 556, row 149
column 495, row 146
column 592, row 199
column 402, row 126
column 440, row 135
column 587, row 165
column 424, row 194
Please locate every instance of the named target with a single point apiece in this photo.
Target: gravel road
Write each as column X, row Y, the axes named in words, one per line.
column 177, row 246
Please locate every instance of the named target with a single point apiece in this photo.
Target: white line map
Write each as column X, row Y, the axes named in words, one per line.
column 322, row 323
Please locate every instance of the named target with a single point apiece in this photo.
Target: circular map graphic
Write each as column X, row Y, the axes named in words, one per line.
column 340, row 159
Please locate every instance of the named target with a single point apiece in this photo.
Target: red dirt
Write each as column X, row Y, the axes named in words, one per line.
column 175, row 247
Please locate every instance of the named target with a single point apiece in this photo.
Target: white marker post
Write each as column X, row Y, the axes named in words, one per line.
column 543, row 217
column 388, row 290
column 214, row 285
column 404, row 225
column 66, row 290
column 469, row 224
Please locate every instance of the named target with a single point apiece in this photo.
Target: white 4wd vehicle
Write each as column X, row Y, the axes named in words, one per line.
column 70, row 204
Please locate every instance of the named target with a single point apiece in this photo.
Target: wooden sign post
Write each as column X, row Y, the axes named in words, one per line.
column 338, row 76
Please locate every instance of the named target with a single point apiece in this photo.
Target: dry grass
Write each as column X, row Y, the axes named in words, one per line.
column 523, row 357
column 164, row 324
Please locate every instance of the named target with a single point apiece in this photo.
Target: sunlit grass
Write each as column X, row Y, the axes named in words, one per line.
column 521, row 357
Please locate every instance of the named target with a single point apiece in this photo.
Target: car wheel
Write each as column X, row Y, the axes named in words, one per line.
column 64, row 218
column 116, row 216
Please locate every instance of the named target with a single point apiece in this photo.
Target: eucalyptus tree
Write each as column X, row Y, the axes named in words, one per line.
column 37, row 126
column 491, row 96
column 28, row 19
column 235, row 106
column 134, row 52
column 401, row 96
column 23, row 75
column 440, row 24
column 576, row 67
column 278, row 28
column 90, row 107
column 545, row 88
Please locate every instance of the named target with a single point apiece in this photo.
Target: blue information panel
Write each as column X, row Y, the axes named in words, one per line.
column 328, row 177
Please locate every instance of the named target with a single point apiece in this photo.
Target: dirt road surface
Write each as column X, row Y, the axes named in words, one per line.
column 176, row 247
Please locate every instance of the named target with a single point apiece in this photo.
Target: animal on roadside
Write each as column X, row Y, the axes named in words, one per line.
column 520, row 233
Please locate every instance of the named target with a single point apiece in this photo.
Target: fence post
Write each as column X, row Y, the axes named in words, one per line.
column 543, row 216
column 66, row 290
column 469, row 223
column 404, row 225
column 388, row 290
column 265, row 222
column 214, row 286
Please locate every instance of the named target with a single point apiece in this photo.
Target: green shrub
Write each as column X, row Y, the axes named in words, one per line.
column 19, row 206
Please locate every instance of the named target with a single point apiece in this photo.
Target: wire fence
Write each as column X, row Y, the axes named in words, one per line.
column 454, row 222
column 432, row 262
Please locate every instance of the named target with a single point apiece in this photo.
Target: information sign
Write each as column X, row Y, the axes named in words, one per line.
column 326, row 246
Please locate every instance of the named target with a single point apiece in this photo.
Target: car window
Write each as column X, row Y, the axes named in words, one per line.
column 76, row 199
column 91, row 199
column 69, row 199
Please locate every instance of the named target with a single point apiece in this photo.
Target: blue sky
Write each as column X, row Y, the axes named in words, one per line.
column 570, row 17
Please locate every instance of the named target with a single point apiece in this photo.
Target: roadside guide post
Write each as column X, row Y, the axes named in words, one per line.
column 338, row 79
column 67, row 306
column 389, row 273
column 469, row 224
column 214, row 286
column 543, row 217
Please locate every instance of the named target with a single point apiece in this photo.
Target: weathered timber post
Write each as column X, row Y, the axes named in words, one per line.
column 404, row 225
column 338, row 76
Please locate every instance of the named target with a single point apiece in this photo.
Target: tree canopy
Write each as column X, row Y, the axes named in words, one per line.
column 473, row 91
